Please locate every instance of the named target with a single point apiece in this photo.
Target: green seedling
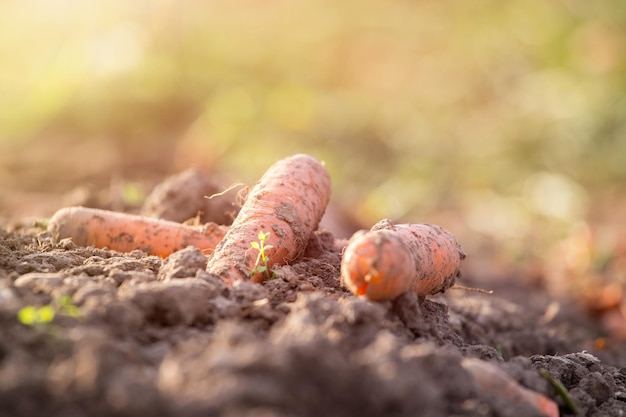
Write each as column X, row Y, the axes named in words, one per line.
column 66, row 307
column 132, row 194
column 36, row 316
column 560, row 389
column 42, row 223
column 260, row 266
column 498, row 348
column 44, row 315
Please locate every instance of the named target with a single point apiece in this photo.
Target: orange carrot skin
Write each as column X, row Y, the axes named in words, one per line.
column 126, row 232
column 391, row 259
column 288, row 202
column 492, row 379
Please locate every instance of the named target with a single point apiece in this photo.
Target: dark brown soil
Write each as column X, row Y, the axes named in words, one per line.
column 162, row 337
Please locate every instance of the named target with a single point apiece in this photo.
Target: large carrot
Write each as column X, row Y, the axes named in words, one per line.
column 126, row 232
column 392, row 259
column 288, row 203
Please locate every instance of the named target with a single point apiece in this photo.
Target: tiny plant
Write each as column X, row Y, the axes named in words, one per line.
column 498, row 348
column 36, row 316
column 260, row 266
column 132, row 194
column 66, row 307
column 560, row 389
column 40, row 316
column 42, row 223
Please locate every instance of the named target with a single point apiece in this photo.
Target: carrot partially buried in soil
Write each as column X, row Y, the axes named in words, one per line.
column 392, row 259
column 126, row 232
column 492, row 380
column 288, row 202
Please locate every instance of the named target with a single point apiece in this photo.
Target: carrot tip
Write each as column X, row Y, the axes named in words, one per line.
column 362, row 289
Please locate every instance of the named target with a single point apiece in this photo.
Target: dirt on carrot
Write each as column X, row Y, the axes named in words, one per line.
column 391, row 259
column 126, row 232
column 288, row 202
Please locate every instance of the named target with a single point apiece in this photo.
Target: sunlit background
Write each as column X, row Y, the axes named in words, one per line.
column 502, row 120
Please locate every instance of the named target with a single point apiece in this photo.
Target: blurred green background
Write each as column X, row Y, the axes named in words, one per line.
column 504, row 117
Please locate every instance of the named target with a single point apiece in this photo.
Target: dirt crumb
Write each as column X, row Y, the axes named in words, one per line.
column 183, row 264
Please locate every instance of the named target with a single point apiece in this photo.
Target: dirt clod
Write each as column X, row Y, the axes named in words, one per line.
column 183, row 264
column 184, row 196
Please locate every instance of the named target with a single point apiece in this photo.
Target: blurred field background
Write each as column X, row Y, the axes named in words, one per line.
column 504, row 121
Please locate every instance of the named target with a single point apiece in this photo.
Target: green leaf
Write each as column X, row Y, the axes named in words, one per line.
column 27, row 315
column 255, row 245
column 71, row 310
column 66, row 306
column 268, row 247
column 45, row 314
column 560, row 389
column 132, row 194
column 261, row 269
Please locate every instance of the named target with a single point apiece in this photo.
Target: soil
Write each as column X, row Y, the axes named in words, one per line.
column 162, row 337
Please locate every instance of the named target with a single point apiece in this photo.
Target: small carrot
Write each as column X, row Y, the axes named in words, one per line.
column 288, row 201
column 391, row 259
column 493, row 380
column 126, row 232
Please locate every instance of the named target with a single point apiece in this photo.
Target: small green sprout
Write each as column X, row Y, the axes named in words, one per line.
column 132, row 194
column 34, row 316
column 42, row 223
column 498, row 348
column 260, row 266
column 66, row 307
column 560, row 389
column 40, row 316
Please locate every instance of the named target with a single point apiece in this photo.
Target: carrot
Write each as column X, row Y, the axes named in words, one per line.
column 493, row 380
column 288, row 203
column 126, row 232
column 391, row 259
